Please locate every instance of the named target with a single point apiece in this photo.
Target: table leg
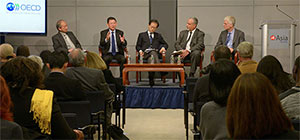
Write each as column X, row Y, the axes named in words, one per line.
column 182, row 78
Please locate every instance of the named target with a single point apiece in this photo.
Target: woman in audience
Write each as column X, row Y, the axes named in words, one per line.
column 35, row 109
column 254, row 110
column 23, row 51
column 272, row 69
column 212, row 117
column 93, row 60
column 37, row 59
column 9, row 129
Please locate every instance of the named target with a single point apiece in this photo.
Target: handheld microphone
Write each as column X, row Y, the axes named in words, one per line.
column 277, row 7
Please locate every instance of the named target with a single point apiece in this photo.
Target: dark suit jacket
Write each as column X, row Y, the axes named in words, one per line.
column 65, row 89
column 22, row 102
column 59, row 43
column 10, row 130
column 91, row 80
column 143, row 42
column 197, row 42
column 106, row 45
column 239, row 37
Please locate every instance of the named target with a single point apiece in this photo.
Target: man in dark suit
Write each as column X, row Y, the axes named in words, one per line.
column 64, row 40
column 231, row 37
column 150, row 43
column 65, row 89
column 191, row 44
column 90, row 79
column 113, row 43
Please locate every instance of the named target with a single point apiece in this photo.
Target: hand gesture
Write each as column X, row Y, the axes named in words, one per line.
column 79, row 134
column 184, row 53
column 141, row 53
column 162, row 50
column 107, row 35
column 122, row 38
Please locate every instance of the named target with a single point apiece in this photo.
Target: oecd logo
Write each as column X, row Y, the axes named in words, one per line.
column 10, row 6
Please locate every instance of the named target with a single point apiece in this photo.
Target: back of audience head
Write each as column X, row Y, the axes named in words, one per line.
column 23, row 51
column 21, row 73
column 77, row 58
column 296, row 71
column 272, row 69
column 37, row 59
column 93, row 60
column 254, row 110
column 57, row 60
column 221, row 78
column 245, row 50
column 44, row 55
column 6, row 51
column 5, row 104
column 222, row 51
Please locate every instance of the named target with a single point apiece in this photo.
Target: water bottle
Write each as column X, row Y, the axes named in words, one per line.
column 152, row 59
column 128, row 59
column 172, row 59
column 178, row 60
column 141, row 59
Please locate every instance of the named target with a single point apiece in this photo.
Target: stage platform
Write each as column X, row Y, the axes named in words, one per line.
column 162, row 95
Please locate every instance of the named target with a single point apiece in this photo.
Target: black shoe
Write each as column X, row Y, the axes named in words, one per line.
column 151, row 83
column 191, row 75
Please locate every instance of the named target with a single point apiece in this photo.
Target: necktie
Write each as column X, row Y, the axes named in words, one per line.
column 150, row 37
column 113, row 45
column 189, row 37
column 228, row 38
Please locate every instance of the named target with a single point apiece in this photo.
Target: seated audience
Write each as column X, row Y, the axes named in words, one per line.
column 35, row 109
column 212, row 117
column 245, row 53
column 254, row 110
column 90, row 79
column 37, row 59
column 93, row 60
column 6, row 53
column 23, row 51
column 290, row 100
column 44, row 55
column 8, row 129
column 272, row 69
column 65, row 89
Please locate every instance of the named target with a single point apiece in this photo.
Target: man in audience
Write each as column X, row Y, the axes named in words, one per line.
column 64, row 40
column 245, row 53
column 90, row 79
column 113, row 44
column 150, row 43
column 23, row 51
column 6, row 53
column 191, row 44
column 290, row 99
column 65, row 89
column 231, row 37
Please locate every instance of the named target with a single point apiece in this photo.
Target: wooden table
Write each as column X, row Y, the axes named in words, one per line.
column 161, row 67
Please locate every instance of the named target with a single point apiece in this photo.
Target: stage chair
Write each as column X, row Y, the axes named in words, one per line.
column 162, row 58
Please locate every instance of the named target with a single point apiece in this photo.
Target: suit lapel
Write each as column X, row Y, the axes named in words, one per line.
column 62, row 40
column 234, row 37
column 71, row 38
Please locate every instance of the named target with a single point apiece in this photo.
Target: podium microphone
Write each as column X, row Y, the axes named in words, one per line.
column 284, row 12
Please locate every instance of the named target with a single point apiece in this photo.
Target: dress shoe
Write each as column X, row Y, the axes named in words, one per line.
column 151, row 83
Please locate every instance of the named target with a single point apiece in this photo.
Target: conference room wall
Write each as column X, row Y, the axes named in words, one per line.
column 248, row 13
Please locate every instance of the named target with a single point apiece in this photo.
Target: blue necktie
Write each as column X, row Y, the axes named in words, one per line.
column 150, row 38
column 228, row 39
column 113, row 45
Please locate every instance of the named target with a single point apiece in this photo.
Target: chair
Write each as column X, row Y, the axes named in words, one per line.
column 71, row 118
column 115, row 62
column 162, row 60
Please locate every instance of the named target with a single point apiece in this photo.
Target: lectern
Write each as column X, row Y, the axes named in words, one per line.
column 278, row 39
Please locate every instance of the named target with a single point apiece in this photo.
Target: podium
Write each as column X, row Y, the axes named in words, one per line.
column 278, row 39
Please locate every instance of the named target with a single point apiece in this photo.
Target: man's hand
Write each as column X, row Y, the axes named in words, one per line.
column 107, row 36
column 184, row 53
column 231, row 50
column 141, row 53
column 79, row 134
column 70, row 50
column 162, row 50
column 122, row 38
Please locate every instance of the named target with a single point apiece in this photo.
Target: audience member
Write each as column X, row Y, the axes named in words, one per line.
column 6, row 53
column 191, row 43
column 245, row 53
column 93, row 60
column 151, row 43
column 212, row 117
column 9, row 129
column 90, row 79
column 113, row 44
column 272, row 69
column 65, row 89
column 254, row 110
column 23, row 51
column 64, row 40
column 44, row 55
column 37, row 59
column 231, row 37
column 35, row 109
column 290, row 99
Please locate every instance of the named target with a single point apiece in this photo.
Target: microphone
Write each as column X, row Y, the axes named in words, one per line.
column 277, row 7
